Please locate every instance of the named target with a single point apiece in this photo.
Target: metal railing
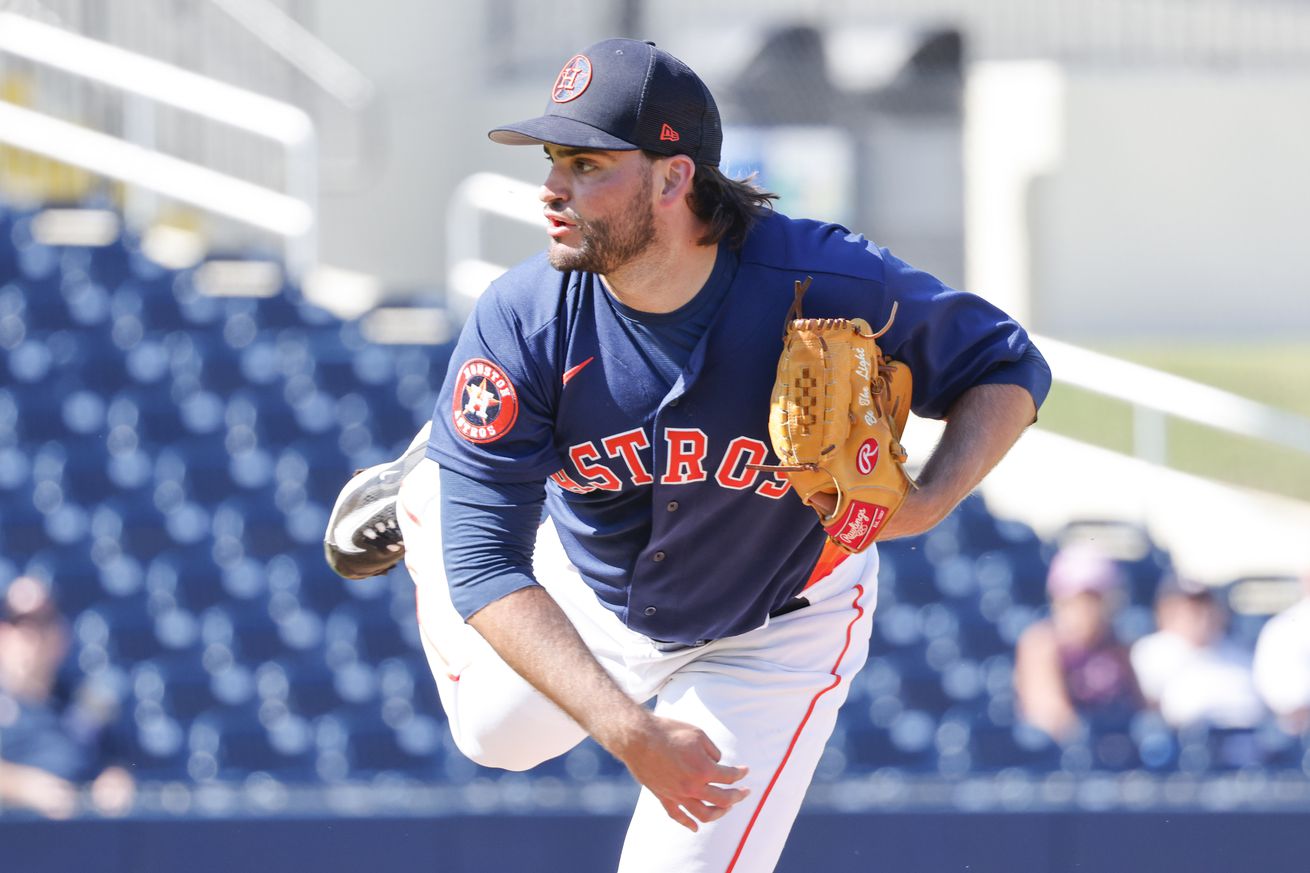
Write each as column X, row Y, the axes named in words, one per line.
column 290, row 213
column 1154, row 396
column 265, row 46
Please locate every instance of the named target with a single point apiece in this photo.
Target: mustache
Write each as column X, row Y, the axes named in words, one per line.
column 564, row 215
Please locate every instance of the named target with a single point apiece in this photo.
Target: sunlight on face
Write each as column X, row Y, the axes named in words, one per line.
column 609, row 206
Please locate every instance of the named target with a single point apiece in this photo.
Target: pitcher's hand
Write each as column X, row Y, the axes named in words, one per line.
column 681, row 766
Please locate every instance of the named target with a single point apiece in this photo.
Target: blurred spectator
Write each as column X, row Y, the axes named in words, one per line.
column 47, row 751
column 1188, row 669
column 1070, row 670
column 1282, row 663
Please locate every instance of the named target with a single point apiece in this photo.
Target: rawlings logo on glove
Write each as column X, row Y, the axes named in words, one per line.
column 838, row 411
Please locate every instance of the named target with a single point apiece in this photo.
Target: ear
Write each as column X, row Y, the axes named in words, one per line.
column 675, row 178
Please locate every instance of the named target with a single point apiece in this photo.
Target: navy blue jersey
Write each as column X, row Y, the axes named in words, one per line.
column 648, row 484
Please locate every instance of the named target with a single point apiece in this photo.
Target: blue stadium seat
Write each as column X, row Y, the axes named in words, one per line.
column 189, row 575
column 906, row 572
column 159, row 311
column 98, row 363
column 921, row 685
column 1114, row 748
column 375, row 633
column 41, row 408
column 241, row 745
column 185, row 690
column 107, row 265
column 44, row 307
column 311, row 690
column 87, row 300
column 24, row 528
column 132, row 636
column 282, row 310
column 71, row 573
column 1156, row 742
column 979, row 636
column 1027, row 566
column 257, row 635
column 1205, row 748
column 156, row 748
column 1002, row 747
column 275, row 420
column 86, row 477
column 373, row 746
column 144, row 527
column 905, row 745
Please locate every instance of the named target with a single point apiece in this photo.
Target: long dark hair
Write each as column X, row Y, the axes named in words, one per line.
column 729, row 207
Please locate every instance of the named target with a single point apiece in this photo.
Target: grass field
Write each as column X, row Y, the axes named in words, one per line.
column 1276, row 374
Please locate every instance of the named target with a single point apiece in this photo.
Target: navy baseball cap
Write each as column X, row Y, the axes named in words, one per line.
column 621, row 95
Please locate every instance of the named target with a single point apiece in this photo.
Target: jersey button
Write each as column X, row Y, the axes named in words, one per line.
column 650, row 610
column 673, row 506
column 658, row 556
column 673, row 402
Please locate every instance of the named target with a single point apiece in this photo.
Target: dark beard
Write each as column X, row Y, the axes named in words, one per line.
column 608, row 244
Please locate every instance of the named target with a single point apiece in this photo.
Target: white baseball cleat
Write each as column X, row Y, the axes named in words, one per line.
column 363, row 536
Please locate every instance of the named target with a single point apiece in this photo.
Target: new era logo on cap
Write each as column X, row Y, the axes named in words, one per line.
column 623, row 94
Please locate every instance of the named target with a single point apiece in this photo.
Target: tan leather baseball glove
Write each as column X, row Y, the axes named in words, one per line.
column 838, row 411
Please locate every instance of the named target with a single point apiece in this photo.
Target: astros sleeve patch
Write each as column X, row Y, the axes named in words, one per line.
column 485, row 404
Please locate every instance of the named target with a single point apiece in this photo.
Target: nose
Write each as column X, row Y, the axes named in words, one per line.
column 553, row 189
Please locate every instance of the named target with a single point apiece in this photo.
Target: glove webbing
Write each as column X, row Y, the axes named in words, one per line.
column 806, row 383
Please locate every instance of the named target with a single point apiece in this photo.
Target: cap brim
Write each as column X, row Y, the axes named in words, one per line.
column 557, row 130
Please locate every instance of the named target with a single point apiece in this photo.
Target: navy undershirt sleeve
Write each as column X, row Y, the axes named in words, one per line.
column 488, row 533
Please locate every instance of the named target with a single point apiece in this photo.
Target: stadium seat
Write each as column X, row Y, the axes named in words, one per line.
column 156, row 748
column 905, row 745
column 71, row 572
column 183, row 684
column 241, row 745
column 995, row 747
column 373, row 746
column 906, row 572
column 132, row 636
column 310, row 683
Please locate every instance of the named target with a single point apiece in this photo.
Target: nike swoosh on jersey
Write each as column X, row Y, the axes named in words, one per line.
column 573, row 371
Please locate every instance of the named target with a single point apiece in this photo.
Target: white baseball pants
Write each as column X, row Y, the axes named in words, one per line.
column 767, row 698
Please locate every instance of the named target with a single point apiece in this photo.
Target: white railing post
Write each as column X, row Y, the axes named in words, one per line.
column 1150, row 435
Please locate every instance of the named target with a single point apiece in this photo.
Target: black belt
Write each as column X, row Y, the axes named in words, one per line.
column 673, row 646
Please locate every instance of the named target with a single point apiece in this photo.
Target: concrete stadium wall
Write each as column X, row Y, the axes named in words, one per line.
column 1119, row 203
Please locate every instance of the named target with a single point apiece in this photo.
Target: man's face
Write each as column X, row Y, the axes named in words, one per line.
column 1081, row 619
column 33, row 639
column 30, row 654
column 1197, row 620
column 599, row 210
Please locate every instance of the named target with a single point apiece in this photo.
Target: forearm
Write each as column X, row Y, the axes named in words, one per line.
column 982, row 426
column 33, row 788
column 536, row 639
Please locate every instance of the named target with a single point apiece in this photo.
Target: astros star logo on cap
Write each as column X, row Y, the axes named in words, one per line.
column 572, row 80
